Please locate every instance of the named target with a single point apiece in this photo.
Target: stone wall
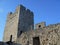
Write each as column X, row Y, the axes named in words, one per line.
column 26, row 20
column 11, row 27
column 40, row 25
column 49, row 35
column 19, row 21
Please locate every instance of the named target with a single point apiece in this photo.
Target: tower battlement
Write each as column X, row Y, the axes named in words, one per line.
column 21, row 20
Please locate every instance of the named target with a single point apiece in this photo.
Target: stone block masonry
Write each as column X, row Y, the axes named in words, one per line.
column 21, row 20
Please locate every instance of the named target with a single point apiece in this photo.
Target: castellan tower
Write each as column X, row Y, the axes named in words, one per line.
column 20, row 21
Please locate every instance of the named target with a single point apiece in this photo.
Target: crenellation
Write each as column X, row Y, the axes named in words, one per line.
column 10, row 13
column 28, row 11
column 20, row 21
column 22, row 7
column 40, row 25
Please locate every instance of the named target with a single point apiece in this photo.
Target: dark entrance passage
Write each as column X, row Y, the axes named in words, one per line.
column 36, row 41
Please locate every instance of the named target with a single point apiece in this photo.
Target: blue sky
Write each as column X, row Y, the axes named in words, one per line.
column 44, row 10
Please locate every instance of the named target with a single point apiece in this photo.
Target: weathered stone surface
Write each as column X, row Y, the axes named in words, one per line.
column 48, row 35
column 20, row 25
column 19, row 21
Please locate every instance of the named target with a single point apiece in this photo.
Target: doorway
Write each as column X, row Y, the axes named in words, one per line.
column 36, row 41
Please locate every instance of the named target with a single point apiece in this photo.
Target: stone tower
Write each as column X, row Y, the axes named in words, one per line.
column 20, row 21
